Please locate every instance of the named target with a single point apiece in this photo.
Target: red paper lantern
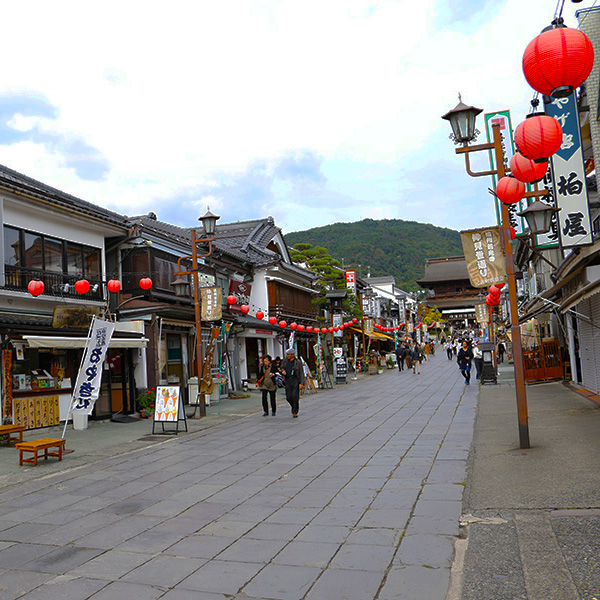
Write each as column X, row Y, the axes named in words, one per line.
column 293, row 325
column 527, row 170
column 231, row 300
column 282, row 324
column 245, row 308
column 539, row 137
column 301, row 328
column 82, row 286
column 510, row 190
column 489, row 300
column 309, row 329
column 330, row 329
column 114, row 286
column 35, row 287
column 494, row 291
column 499, row 285
column 355, row 320
column 557, row 61
column 323, row 329
column 336, row 328
column 272, row 320
column 513, row 234
column 146, row 283
column 260, row 315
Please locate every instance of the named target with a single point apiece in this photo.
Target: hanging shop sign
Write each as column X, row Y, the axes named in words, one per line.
column 87, row 385
column 570, row 190
column 351, row 281
column 241, row 291
column 502, row 118
column 483, row 255
column 74, row 316
column 481, row 312
column 211, row 303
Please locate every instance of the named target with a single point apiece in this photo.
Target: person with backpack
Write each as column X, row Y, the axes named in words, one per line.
column 267, row 384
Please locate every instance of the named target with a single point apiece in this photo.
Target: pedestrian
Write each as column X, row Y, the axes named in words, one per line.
column 266, row 383
column 464, row 359
column 501, row 351
column 293, row 373
column 449, row 349
column 477, row 359
column 416, row 356
column 400, row 355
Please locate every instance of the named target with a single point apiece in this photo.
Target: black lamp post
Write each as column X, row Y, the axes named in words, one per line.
column 539, row 217
column 181, row 287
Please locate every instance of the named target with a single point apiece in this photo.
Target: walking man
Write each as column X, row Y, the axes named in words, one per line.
column 293, row 374
column 464, row 359
column 501, row 350
column 400, row 354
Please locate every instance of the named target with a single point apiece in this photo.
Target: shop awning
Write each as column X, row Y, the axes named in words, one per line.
column 374, row 334
column 51, row 341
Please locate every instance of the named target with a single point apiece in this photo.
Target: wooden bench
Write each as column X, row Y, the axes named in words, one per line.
column 13, row 433
column 34, row 446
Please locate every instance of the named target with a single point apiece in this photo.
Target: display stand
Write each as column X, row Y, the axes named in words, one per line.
column 166, row 398
column 325, row 378
column 341, row 370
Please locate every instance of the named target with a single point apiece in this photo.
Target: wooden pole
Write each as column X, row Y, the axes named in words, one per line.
column 198, row 315
column 512, row 293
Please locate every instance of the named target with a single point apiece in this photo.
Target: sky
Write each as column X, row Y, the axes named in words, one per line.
column 311, row 111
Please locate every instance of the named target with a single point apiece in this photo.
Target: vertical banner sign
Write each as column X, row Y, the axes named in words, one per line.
column 206, row 383
column 570, row 190
column 351, row 281
column 87, row 386
column 211, row 303
column 337, row 321
column 483, row 255
column 550, row 239
column 7, row 412
column 481, row 312
column 502, row 118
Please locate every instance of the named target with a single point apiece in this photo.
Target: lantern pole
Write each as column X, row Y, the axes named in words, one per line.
column 500, row 171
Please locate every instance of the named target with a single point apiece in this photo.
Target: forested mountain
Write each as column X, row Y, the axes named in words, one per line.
column 388, row 247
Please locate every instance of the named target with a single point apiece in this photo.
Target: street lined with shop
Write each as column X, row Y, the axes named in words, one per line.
column 358, row 498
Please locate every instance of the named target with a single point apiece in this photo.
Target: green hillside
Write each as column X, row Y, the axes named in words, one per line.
column 389, row 247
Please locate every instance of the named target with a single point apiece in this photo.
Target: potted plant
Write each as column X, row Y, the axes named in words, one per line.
column 390, row 362
column 145, row 402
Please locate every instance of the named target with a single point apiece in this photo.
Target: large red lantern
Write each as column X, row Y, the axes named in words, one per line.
column 527, row 170
column 114, row 286
column 355, row 320
column 301, row 328
column 309, row 329
column 35, row 287
column 146, row 283
column 557, row 61
column 323, row 329
column 245, row 308
column 538, row 137
column 330, row 329
column 260, row 315
column 510, row 190
column 272, row 320
column 82, row 286
column 294, row 325
column 282, row 324
column 494, row 291
column 231, row 300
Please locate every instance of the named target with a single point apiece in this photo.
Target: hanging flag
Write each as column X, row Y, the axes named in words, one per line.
column 206, row 383
column 87, row 385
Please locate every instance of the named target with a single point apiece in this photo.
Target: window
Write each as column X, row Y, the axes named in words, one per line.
column 164, row 273
column 12, row 247
column 53, row 255
column 33, row 251
column 74, row 260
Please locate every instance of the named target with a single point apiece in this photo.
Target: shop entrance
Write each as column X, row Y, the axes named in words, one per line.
column 116, row 390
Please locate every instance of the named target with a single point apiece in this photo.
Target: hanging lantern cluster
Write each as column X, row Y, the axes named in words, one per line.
column 388, row 329
column 558, row 61
column 493, row 297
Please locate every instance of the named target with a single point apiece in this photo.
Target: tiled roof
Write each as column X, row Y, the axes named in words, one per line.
column 450, row 268
column 19, row 183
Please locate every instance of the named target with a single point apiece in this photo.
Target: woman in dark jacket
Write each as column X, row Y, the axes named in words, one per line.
column 464, row 359
column 266, row 383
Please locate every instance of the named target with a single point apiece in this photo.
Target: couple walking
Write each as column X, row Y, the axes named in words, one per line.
column 292, row 371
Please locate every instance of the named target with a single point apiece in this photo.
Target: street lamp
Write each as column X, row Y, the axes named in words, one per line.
column 539, row 217
column 466, row 115
column 181, row 286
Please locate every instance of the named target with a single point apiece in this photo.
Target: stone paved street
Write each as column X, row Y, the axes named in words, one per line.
column 359, row 498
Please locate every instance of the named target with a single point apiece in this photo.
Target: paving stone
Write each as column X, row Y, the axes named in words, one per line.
column 293, row 515
column 61, row 560
column 77, row 528
column 164, row 570
column 13, row 584
column 424, row 549
column 111, row 535
column 64, row 588
column 363, row 557
column 181, row 524
column 373, row 536
column 150, row 541
column 340, row 584
column 408, row 583
column 131, row 591
column 225, row 528
column 282, row 582
column 307, row 554
column 275, row 531
column 200, row 546
column 385, row 517
column 252, row 550
column 24, row 532
column 185, row 595
column 111, row 565
column 219, row 576
column 16, row 555
column 339, row 516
